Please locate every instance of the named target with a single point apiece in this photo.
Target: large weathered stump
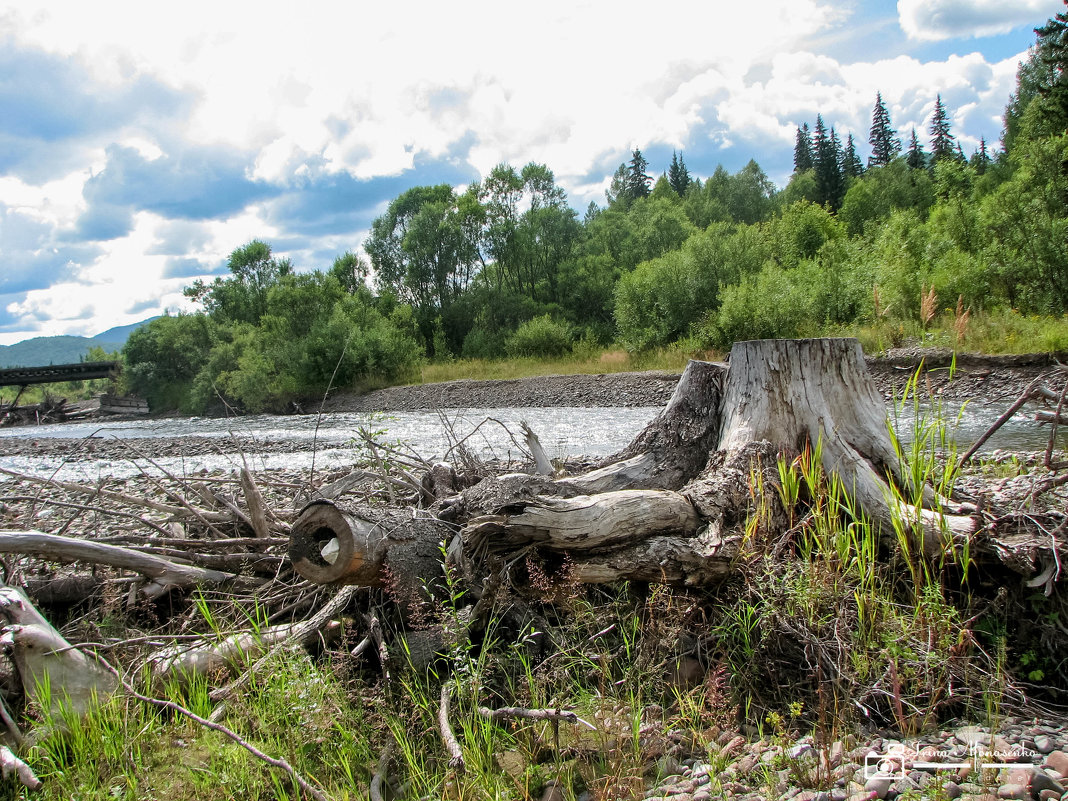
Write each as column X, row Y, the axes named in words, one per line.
column 722, row 428
column 798, row 393
column 674, row 505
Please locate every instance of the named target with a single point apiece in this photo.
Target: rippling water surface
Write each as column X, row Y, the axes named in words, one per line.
column 564, row 431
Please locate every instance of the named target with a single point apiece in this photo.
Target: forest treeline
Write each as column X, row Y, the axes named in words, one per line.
column 507, row 267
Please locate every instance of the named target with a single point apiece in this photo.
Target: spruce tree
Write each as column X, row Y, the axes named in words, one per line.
column 980, row 159
column 803, row 159
column 851, row 164
column 1051, row 47
column 941, row 138
column 827, row 150
column 678, row 175
column 916, row 159
column 638, row 179
column 884, row 144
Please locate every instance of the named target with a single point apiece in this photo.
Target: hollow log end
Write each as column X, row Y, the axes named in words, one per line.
column 321, row 531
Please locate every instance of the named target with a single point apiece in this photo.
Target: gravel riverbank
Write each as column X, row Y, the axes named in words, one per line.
column 987, row 379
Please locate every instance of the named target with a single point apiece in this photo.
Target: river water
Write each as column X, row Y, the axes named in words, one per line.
column 328, row 441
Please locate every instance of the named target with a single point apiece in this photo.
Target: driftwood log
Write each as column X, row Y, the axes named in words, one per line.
column 161, row 574
column 673, row 506
column 50, row 668
column 370, row 547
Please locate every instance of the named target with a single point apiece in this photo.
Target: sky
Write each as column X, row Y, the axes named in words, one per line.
column 141, row 143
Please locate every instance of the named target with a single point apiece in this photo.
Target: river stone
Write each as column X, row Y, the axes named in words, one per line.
column 1043, row 744
column 554, row 791
column 902, row 786
column 1058, row 760
column 880, row 785
column 1016, row 791
column 952, row 790
column 971, row 735
column 1041, row 781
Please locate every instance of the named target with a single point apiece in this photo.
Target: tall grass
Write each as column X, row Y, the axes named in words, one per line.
column 582, row 362
column 994, row 332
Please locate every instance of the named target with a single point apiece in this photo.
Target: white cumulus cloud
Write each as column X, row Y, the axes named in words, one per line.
column 933, row 20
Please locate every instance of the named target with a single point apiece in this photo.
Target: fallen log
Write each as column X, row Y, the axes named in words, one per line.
column 51, row 670
column 164, row 574
column 208, row 658
column 370, row 547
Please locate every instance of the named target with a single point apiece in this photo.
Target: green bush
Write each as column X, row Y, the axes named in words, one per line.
column 540, row 338
column 656, row 302
column 161, row 359
column 769, row 305
column 481, row 343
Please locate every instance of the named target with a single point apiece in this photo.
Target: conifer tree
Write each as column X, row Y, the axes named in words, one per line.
column 884, row 144
column 941, row 138
column 827, row 151
column 638, row 180
column 916, row 159
column 1051, row 47
column 678, row 176
column 851, row 164
column 980, row 159
column 803, row 159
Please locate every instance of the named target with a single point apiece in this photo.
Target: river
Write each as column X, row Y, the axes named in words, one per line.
column 296, row 442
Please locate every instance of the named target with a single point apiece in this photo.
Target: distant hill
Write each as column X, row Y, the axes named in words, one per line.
column 41, row 351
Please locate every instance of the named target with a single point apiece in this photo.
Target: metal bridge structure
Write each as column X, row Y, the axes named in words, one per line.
column 55, row 373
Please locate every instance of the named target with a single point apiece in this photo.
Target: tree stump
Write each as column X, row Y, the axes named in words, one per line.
column 673, row 505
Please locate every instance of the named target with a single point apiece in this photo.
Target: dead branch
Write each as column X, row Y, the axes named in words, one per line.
column 164, row 573
column 257, row 509
column 9, row 763
column 99, row 510
column 448, row 737
column 173, row 512
column 296, row 633
column 44, row 658
column 10, row 725
column 374, row 791
column 1030, row 392
column 512, row 712
column 542, row 464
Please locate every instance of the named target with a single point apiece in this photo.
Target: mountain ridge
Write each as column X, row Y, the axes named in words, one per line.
column 43, row 351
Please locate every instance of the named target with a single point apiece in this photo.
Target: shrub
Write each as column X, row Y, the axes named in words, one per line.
column 768, row 305
column 541, row 337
